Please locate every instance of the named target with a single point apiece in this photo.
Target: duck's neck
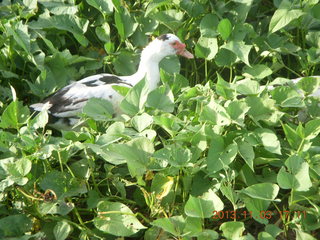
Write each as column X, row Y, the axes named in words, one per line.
column 148, row 68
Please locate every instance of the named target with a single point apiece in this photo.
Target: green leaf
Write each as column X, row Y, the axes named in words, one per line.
column 40, row 120
column 103, row 32
column 193, row 8
column 208, row 25
column 161, row 98
column 99, row 109
column 117, row 219
column 240, row 50
column 248, row 87
column 15, row 115
column 309, row 84
column 269, row 140
column 208, row 234
column 258, row 71
column 20, row 33
column 136, row 153
column 297, row 175
column 62, row 230
column 135, row 100
column 14, row 225
column 170, row 64
column 77, row 26
column 206, row 48
column 246, row 152
column 141, row 122
column 232, row 230
column 173, row 225
column 170, row 18
column 224, row 88
column 287, row 97
column 284, row 16
column 262, row 191
column 312, row 129
column 220, row 157
column 124, row 23
column 225, row 28
column 237, row 111
column 104, row 6
column 122, row 90
column 203, row 206
column 215, row 113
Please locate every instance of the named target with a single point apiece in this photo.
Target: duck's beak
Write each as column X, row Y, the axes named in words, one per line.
column 181, row 50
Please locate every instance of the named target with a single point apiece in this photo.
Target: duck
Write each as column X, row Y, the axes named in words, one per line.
column 65, row 105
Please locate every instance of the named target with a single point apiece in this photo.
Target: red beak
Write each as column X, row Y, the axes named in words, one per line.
column 181, row 50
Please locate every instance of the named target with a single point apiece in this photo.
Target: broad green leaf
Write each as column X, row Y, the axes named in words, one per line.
column 284, row 16
column 203, row 206
column 193, row 8
column 206, row 48
column 135, row 100
column 180, row 156
column 170, row 18
column 248, row 87
column 77, row 26
column 258, row 71
column 220, row 157
column 232, row 230
column 309, row 84
column 208, row 25
column 104, row 6
column 293, row 138
column 136, row 152
column 208, row 234
column 168, row 122
column 153, row 5
column 246, row 152
column 240, row 49
column 225, row 57
column 262, row 191
column 141, row 122
column 312, row 129
column 14, row 225
column 117, row 219
column 237, row 111
column 40, row 120
column 103, row 32
column 173, row 225
column 99, row 109
column 263, row 109
column 303, row 235
column 287, row 97
column 161, row 98
column 215, row 113
column 21, row 35
column 122, row 90
column 59, row 207
column 269, row 140
column 18, row 170
column 224, row 88
column 125, row 24
column 14, row 115
column 170, row 64
column 62, row 230
column 125, row 63
column 297, row 175
column 225, row 28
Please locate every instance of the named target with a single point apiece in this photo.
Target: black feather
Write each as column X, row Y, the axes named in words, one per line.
column 163, row 37
column 107, row 79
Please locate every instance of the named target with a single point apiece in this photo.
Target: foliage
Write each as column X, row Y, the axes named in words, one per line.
column 212, row 153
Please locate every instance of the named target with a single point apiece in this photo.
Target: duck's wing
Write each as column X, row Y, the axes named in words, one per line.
column 69, row 101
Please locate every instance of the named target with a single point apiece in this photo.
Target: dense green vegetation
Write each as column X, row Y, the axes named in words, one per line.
column 179, row 162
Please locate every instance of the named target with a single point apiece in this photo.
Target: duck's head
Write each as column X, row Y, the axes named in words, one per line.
column 166, row 45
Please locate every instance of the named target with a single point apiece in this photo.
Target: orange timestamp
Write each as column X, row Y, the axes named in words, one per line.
column 228, row 214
